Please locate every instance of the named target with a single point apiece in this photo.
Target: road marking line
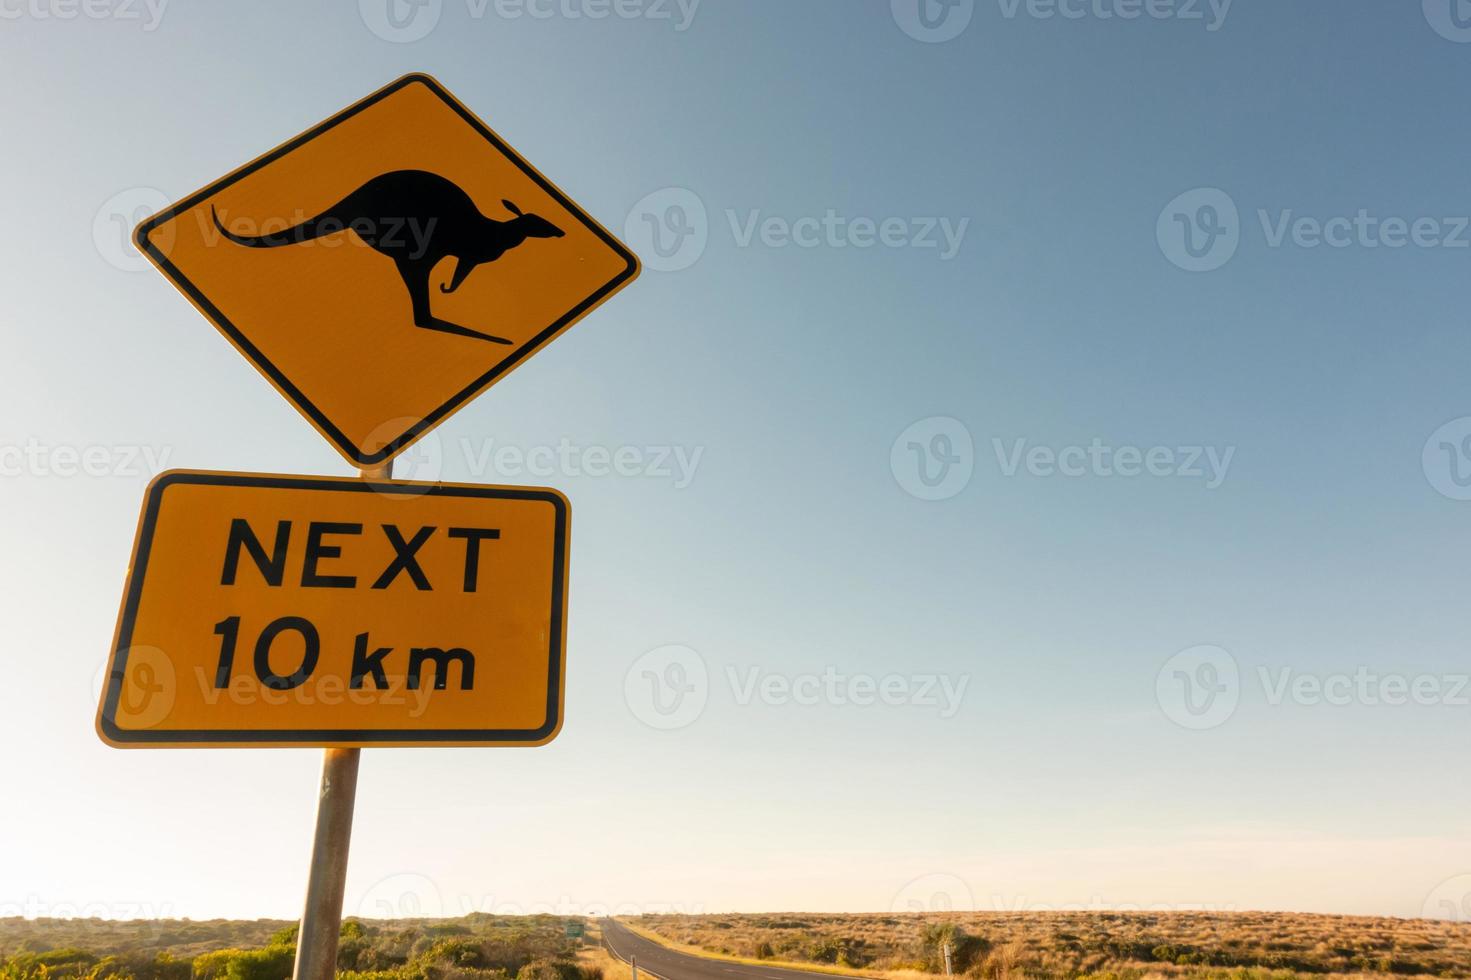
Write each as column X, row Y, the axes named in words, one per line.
column 609, row 947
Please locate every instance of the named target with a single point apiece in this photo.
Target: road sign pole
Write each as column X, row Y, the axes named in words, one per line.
column 321, row 919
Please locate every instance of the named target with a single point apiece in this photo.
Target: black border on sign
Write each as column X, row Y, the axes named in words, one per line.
column 274, row 374
column 107, row 713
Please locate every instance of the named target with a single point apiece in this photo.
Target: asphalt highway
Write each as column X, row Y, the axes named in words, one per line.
column 667, row 964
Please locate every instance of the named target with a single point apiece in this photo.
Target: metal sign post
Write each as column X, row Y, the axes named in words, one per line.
column 321, row 918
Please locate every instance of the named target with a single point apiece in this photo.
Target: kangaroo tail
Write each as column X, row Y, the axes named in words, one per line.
column 322, row 224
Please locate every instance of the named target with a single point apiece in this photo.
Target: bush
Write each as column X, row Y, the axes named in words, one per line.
column 549, row 970
column 62, row 961
column 965, row 950
column 73, row 964
column 823, row 950
column 135, row 966
column 39, row 966
column 285, row 936
column 271, row 963
column 455, row 952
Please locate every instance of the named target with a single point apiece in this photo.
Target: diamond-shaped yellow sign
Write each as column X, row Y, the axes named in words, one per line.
column 388, row 265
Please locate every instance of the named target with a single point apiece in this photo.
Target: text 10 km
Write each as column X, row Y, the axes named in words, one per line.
column 364, row 664
column 367, row 661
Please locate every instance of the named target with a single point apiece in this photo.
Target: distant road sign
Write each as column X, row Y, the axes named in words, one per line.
column 283, row 610
column 388, row 265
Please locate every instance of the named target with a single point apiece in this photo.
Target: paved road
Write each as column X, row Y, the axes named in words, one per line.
column 666, row 964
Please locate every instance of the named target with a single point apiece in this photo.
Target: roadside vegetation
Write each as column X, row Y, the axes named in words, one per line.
column 983, row 946
column 1080, row 945
column 476, row 947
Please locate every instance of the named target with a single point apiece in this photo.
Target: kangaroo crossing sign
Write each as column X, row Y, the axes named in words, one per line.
column 388, row 265
column 272, row 610
column 380, row 270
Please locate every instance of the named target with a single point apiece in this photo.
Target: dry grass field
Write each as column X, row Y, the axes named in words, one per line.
column 1093, row 945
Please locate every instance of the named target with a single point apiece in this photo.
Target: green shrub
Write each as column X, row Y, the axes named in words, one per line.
column 448, row 929
column 271, row 963
column 65, row 960
column 455, row 952
column 285, row 936
column 549, row 970
column 53, row 964
column 140, row 966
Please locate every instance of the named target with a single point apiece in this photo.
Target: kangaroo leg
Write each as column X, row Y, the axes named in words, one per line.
column 462, row 269
column 416, row 279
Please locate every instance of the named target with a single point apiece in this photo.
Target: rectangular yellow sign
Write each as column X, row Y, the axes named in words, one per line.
column 306, row 611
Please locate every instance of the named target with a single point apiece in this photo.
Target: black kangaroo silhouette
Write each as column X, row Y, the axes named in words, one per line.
column 443, row 219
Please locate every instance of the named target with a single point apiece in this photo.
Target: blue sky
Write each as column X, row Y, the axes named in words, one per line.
column 1070, row 614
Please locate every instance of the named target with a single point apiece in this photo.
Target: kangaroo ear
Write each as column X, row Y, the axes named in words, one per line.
column 512, row 208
